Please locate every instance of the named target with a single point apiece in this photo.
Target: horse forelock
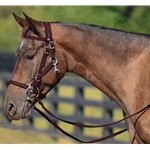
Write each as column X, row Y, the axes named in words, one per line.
column 24, row 31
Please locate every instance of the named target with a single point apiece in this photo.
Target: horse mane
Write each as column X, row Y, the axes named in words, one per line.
column 103, row 28
column 26, row 29
column 119, row 44
column 119, row 30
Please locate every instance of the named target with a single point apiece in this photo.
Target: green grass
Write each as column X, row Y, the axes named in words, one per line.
column 8, row 136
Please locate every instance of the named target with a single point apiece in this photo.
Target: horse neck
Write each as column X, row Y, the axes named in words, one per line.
column 101, row 57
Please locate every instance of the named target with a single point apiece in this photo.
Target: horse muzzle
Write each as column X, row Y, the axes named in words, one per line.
column 16, row 113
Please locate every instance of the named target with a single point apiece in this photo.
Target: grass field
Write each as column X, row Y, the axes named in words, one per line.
column 8, row 136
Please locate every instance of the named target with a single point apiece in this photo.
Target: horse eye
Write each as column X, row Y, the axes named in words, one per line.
column 29, row 57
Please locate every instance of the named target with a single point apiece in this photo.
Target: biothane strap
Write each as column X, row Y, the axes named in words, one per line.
column 83, row 125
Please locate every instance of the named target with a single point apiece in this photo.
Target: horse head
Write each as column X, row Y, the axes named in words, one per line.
column 29, row 66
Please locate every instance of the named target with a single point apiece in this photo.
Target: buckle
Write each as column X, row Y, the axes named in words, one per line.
column 51, row 45
column 38, row 78
column 46, row 50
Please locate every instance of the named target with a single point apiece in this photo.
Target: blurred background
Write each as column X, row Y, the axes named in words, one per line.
column 77, row 101
column 130, row 18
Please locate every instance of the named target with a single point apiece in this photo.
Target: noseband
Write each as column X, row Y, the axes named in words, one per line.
column 34, row 87
column 49, row 49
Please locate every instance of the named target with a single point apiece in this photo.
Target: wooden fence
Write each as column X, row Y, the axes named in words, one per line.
column 72, row 100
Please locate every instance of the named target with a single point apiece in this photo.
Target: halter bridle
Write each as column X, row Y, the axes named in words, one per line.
column 34, row 87
column 49, row 49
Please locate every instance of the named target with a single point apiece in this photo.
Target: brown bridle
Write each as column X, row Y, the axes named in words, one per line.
column 49, row 49
column 34, row 88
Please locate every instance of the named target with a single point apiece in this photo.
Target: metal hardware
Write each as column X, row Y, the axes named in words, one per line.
column 56, row 69
column 46, row 47
column 36, row 78
column 48, row 39
column 50, row 46
column 54, row 59
column 30, row 90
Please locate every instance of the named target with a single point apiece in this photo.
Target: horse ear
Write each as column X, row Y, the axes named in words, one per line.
column 33, row 24
column 21, row 22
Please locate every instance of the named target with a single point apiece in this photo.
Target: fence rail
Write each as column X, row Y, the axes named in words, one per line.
column 78, row 102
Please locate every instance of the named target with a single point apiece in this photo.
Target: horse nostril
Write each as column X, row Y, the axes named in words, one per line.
column 11, row 109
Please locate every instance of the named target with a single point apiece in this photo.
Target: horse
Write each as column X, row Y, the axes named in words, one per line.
column 114, row 61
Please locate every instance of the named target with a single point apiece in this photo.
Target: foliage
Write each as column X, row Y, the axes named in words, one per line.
column 130, row 18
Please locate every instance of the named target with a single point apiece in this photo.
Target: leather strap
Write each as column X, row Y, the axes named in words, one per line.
column 87, row 126
column 22, row 85
column 73, row 137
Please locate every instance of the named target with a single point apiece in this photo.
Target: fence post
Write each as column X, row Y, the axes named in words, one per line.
column 107, row 117
column 79, row 110
column 53, row 109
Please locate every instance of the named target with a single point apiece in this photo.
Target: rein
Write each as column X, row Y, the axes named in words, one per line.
column 34, row 88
